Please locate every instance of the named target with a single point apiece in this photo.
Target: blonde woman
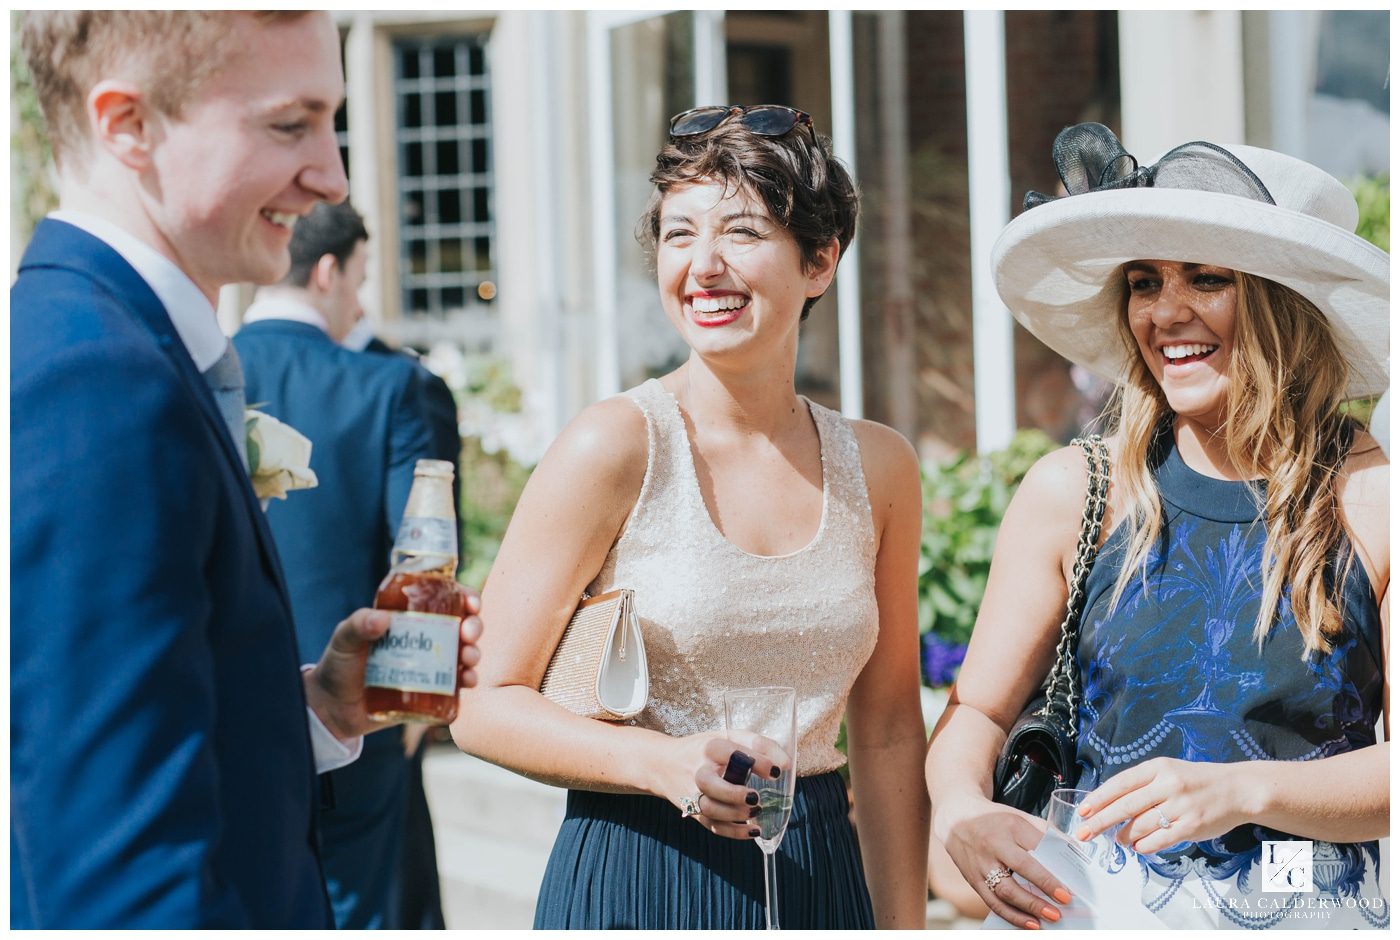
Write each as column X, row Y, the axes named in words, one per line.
column 1232, row 646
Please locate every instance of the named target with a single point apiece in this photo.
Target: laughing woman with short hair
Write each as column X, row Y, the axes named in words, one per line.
column 768, row 540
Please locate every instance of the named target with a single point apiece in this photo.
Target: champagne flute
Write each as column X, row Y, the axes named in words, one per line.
column 770, row 711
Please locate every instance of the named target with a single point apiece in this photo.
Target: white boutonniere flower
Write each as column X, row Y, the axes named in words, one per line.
column 279, row 457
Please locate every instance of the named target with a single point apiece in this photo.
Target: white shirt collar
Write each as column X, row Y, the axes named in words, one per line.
column 189, row 310
column 285, row 308
column 359, row 336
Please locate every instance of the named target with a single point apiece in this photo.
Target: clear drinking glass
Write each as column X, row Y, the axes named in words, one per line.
column 771, row 712
column 1063, row 813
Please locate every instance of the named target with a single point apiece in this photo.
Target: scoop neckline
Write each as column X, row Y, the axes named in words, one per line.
column 694, row 481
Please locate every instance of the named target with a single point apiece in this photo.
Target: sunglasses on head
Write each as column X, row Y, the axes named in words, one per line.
column 766, row 120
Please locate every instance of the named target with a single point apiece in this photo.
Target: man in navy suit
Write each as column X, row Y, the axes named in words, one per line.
column 367, row 424
column 163, row 743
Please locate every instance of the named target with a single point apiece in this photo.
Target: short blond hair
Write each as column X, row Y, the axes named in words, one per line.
column 170, row 53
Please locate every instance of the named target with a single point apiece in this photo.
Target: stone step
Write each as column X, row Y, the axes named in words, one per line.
column 487, row 882
column 470, row 795
column 494, row 830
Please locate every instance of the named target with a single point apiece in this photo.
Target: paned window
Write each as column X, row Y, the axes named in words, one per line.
column 447, row 247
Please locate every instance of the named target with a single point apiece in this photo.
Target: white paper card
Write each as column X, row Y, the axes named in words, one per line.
column 1101, row 899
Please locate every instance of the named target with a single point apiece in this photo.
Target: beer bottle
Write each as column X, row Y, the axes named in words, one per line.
column 412, row 670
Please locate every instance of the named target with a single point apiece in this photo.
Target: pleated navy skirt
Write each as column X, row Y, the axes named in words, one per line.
column 632, row 862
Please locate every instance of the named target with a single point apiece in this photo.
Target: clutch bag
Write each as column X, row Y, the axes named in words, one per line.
column 599, row 668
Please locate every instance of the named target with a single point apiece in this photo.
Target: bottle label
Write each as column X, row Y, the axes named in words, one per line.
column 418, row 654
column 426, row 535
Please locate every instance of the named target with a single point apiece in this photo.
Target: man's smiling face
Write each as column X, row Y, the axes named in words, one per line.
column 254, row 150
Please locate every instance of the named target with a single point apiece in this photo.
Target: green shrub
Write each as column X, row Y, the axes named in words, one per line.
column 964, row 500
column 1373, row 199
column 491, row 486
column 32, row 194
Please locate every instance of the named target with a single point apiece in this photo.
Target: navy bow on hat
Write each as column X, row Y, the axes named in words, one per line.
column 1090, row 159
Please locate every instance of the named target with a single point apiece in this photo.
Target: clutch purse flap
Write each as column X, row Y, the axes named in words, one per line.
column 599, row 669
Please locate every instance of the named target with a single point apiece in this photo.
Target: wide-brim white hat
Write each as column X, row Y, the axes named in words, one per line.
column 1057, row 265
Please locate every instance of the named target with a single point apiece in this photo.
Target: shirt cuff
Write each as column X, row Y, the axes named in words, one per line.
column 330, row 752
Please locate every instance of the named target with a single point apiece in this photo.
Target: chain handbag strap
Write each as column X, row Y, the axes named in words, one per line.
column 1063, row 689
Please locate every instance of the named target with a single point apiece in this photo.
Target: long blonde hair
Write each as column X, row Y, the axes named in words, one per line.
column 1287, row 381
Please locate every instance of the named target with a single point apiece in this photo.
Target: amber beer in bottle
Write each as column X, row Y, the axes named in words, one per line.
column 412, row 670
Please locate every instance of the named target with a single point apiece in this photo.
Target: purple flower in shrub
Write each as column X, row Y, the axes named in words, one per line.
column 941, row 659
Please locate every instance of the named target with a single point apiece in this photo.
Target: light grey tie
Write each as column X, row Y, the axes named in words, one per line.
column 225, row 378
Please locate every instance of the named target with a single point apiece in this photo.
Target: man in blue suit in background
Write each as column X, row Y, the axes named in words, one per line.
column 163, row 744
column 420, row 896
column 367, row 424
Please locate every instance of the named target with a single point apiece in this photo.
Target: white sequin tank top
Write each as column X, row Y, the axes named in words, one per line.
column 715, row 617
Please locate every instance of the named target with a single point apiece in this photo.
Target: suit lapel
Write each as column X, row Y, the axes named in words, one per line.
column 59, row 245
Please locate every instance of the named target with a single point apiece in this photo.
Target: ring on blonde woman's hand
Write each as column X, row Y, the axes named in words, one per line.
column 995, row 877
column 1162, row 821
column 690, row 806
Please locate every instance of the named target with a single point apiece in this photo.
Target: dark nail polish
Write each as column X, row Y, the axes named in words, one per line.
column 751, row 798
column 775, row 773
column 753, row 811
column 754, row 833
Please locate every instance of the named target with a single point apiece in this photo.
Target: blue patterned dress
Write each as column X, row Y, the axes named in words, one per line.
column 1176, row 672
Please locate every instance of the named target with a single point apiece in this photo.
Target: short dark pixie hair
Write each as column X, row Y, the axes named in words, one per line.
column 802, row 185
column 326, row 230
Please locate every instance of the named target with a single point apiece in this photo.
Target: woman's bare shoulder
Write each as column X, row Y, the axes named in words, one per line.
column 1366, row 455
column 882, row 444
column 1365, row 494
column 890, row 465
column 1048, row 506
column 1058, row 480
column 606, row 442
column 1366, row 476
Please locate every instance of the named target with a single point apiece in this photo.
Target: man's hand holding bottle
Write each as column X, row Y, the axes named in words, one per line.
column 335, row 688
column 395, row 663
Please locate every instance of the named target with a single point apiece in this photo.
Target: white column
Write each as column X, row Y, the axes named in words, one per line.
column 1182, row 77
column 711, row 84
column 548, row 253
column 843, row 139
column 1292, row 63
column 608, row 377
column 367, row 173
column 989, row 198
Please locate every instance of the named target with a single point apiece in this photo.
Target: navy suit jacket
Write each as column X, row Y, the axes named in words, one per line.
column 364, row 417
column 161, row 772
column 440, row 407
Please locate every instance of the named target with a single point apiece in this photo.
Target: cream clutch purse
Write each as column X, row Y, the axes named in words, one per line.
column 599, row 669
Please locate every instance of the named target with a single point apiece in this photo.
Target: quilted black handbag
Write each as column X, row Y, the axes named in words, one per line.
column 1039, row 754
